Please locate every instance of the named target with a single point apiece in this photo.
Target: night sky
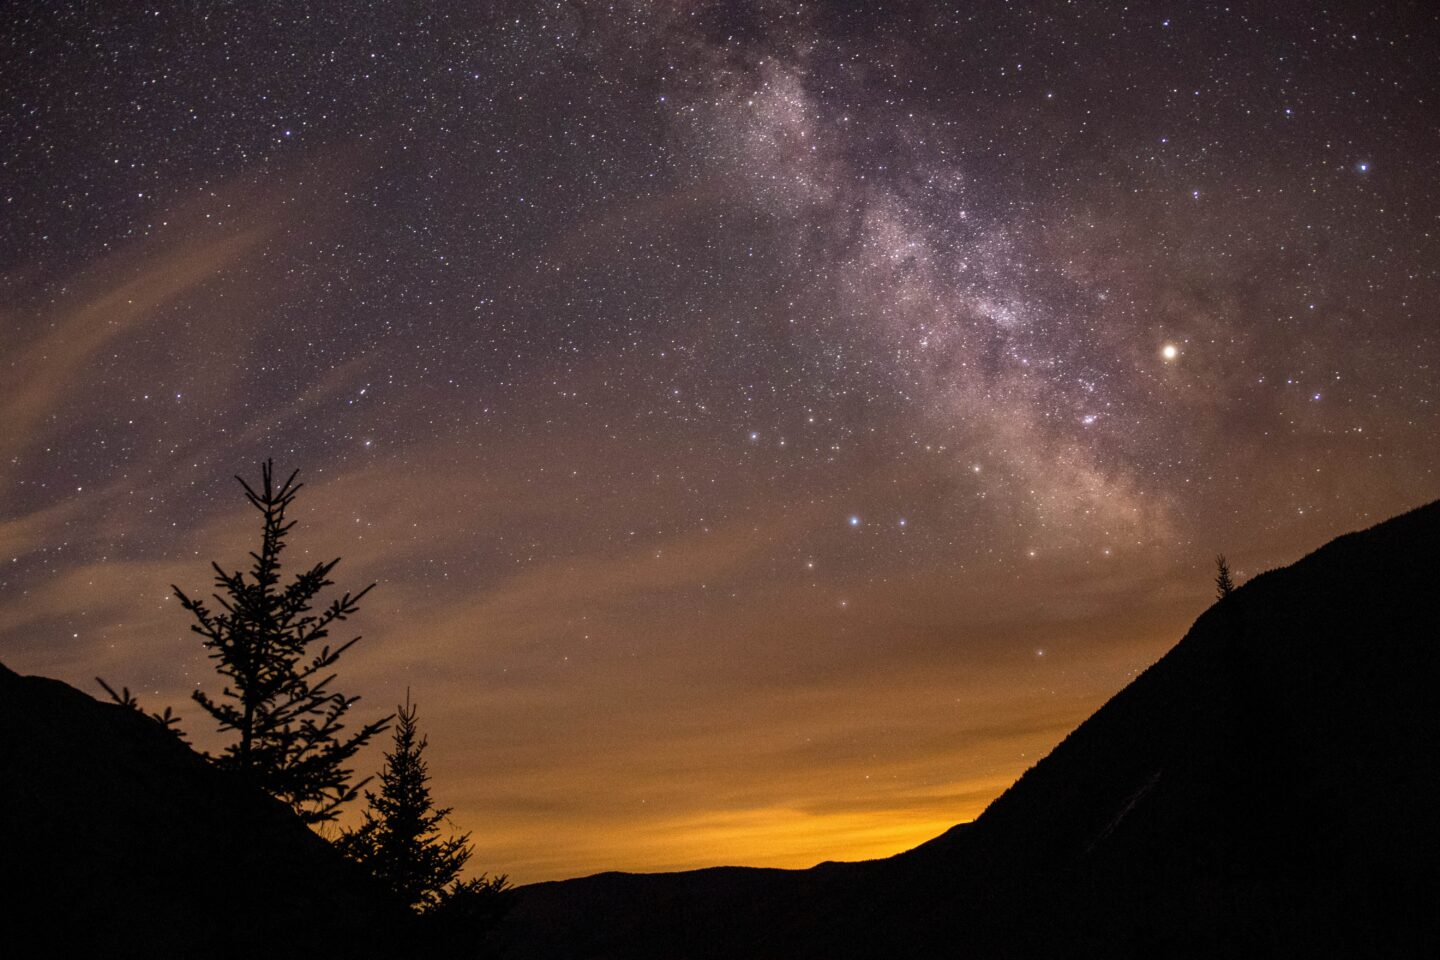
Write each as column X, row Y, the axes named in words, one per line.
column 772, row 427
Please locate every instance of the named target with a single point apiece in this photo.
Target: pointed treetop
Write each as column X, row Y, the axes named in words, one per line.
column 1224, row 586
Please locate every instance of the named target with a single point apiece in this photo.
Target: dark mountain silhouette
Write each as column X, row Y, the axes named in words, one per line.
column 116, row 837
column 1269, row 787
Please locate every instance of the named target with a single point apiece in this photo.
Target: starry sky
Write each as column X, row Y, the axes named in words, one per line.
column 771, row 426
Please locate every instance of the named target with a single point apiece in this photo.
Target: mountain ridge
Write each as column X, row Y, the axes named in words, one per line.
column 129, row 843
column 1255, row 788
column 1266, row 787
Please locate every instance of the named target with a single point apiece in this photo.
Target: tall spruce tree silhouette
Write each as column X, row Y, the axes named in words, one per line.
column 399, row 840
column 277, row 697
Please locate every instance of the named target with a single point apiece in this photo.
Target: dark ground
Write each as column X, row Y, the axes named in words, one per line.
column 116, row 838
column 1269, row 787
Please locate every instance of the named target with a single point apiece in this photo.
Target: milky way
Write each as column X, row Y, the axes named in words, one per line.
column 771, row 426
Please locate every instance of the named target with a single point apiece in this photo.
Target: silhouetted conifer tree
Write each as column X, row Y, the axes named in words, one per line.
column 399, row 840
column 457, row 926
column 277, row 697
column 1224, row 586
column 168, row 719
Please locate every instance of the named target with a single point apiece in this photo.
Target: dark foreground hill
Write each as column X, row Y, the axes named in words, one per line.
column 1270, row 787
column 116, row 838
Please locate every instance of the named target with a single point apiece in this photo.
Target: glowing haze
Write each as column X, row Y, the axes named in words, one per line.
column 771, row 426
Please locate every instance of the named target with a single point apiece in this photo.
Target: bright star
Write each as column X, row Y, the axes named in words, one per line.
column 1169, row 351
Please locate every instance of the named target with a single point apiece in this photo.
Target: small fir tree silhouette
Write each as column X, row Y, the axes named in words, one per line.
column 399, row 840
column 277, row 697
column 168, row 720
column 1224, row 586
column 458, row 925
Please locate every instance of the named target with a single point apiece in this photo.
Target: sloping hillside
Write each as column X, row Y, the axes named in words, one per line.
column 116, row 837
column 1268, row 787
